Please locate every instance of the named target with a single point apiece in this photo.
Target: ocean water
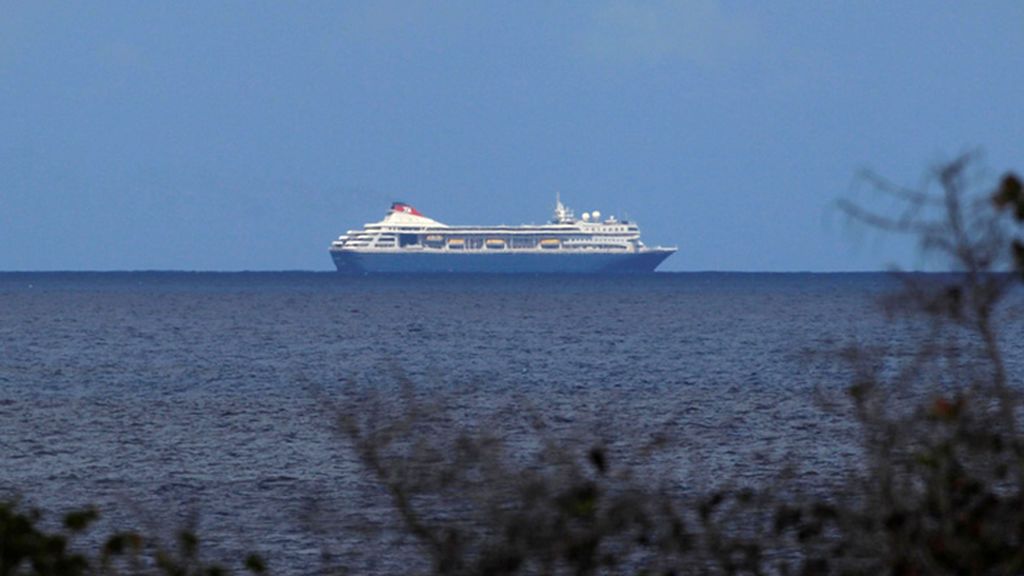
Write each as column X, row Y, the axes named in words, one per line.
column 175, row 398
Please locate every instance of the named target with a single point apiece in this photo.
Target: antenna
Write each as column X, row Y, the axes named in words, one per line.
column 563, row 215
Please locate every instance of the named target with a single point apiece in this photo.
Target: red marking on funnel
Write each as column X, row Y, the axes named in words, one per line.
column 403, row 207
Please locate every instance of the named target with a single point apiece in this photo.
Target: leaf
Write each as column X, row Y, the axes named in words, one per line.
column 254, row 563
column 79, row 520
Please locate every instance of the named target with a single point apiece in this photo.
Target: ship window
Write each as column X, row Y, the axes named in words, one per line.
column 408, row 240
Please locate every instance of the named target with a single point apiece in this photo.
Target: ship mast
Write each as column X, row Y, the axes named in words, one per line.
column 563, row 215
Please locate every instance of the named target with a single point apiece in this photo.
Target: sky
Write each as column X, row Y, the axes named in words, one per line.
column 247, row 135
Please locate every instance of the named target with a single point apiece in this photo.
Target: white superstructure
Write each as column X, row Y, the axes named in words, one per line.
column 407, row 241
column 405, row 228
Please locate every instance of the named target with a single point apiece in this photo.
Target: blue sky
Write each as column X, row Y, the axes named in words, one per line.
column 247, row 135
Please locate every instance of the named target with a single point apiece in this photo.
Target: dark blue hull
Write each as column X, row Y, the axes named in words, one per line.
column 499, row 262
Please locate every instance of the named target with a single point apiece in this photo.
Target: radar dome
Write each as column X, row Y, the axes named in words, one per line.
column 596, row 215
column 586, row 216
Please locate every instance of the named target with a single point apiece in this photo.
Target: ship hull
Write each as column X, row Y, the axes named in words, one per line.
column 351, row 261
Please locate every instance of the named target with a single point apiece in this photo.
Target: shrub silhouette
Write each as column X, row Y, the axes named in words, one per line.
column 28, row 549
column 940, row 488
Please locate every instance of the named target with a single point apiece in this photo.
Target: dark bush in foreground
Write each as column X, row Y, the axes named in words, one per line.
column 26, row 548
column 940, row 489
column 941, row 484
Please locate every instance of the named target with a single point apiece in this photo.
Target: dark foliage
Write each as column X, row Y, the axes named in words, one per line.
column 28, row 549
column 940, row 488
column 940, row 492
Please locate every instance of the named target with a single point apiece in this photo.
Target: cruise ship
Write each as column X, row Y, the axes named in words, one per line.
column 407, row 241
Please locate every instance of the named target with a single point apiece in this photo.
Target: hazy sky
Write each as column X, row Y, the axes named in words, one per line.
column 247, row 135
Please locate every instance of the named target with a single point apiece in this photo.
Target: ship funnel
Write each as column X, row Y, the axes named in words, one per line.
column 403, row 207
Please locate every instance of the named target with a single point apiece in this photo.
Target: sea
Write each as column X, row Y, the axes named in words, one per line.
column 213, row 400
